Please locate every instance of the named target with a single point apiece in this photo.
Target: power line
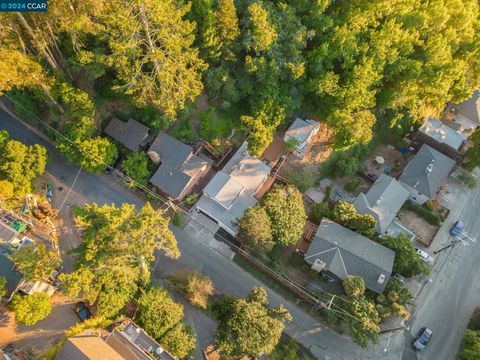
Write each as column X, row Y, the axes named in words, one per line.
column 169, row 204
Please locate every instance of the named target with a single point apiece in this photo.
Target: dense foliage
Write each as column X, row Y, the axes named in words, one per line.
column 30, row 309
column 20, row 164
column 249, row 326
column 194, row 286
column 136, row 167
column 161, row 317
column 118, row 244
column 3, row 286
column 36, row 262
column 345, row 214
column 256, row 229
column 472, row 155
column 353, row 63
column 354, row 286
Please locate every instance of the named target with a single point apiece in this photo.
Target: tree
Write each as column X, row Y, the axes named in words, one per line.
column 261, row 33
column 194, row 286
column 407, row 262
column 136, row 167
column 256, row 229
column 472, row 155
column 161, row 317
column 3, row 286
column 354, row 286
column 227, row 22
column 345, row 214
column 30, row 309
column 35, row 262
column 80, row 145
column 117, row 246
column 21, row 164
column 470, row 347
column 77, row 102
column 152, row 53
column 284, row 206
column 249, row 326
column 6, row 189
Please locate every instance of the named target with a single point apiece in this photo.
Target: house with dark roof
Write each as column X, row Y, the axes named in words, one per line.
column 342, row 252
column 442, row 134
column 87, row 345
column 179, row 168
column 131, row 134
column 425, row 173
column 233, row 189
column 302, row 131
column 465, row 116
column 383, row 201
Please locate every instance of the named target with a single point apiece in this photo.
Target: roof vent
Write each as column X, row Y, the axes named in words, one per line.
column 318, row 265
column 379, row 200
column 154, row 156
column 429, row 168
column 381, row 279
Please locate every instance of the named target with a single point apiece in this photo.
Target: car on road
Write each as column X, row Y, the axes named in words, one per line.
column 81, row 309
column 424, row 336
column 456, row 228
column 424, row 255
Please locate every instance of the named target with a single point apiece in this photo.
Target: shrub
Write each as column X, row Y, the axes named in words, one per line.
column 3, row 286
column 177, row 219
column 468, row 179
column 424, row 213
column 354, row 286
column 302, row 179
column 353, row 184
column 195, row 287
column 191, row 199
column 30, row 309
column 136, row 166
column 319, row 211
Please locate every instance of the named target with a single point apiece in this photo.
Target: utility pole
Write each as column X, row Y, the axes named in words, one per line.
column 452, row 243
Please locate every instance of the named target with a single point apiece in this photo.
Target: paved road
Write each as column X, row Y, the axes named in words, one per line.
column 227, row 276
column 446, row 304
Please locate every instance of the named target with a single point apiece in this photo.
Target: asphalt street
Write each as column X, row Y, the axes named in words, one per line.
column 443, row 305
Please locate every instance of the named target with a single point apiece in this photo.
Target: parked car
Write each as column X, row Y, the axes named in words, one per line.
column 424, row 255
column 456, row 228
column 81, row 309
column 424, row 336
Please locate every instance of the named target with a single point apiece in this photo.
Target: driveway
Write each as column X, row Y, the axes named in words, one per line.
column 226, row 275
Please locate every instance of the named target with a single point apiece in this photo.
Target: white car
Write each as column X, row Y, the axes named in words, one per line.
column 424, row 255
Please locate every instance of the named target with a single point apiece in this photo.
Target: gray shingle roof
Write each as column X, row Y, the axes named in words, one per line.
column 470, row 108
column 427, row 171
column 178, row 165
column 130, row 134
column 9, row 273
column 443, row 133
column 6, row 232
column 345, row 252
column 301, row 129
column 382, row 201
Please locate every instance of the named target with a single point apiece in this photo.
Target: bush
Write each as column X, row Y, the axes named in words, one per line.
column 195, row 287
column 424, row 213
column 136, row 166
column 302, row 179
column 354, row 286
column 319, row 211
column 353, row 184
column 177, row 219
column 468, row 179
column 30, row 309
column 3, row 286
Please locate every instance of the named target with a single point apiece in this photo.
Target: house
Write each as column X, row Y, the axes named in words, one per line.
column 425, row 173
column 233, row 189
column 15, row 283
column 87, row 345
column 126, row 342
column 7, row 233
column 466, row 115
column 131, row 134
column 179, row 168
column 302, row 131
column 441, row 134
column 383, row 201
column 342, row 252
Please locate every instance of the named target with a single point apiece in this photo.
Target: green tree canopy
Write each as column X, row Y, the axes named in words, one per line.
column 30, row 309
column 3, row 286
column 407, row 262
column 249, row 326
column 470, row 347
column 256, row 229
column 136, row 167
column 118, row 244
column 21, row 164
column 36, row 262
column 161, row 317
column 345, row 214
column 472, row 155
column 284, row 206
column 354, row 286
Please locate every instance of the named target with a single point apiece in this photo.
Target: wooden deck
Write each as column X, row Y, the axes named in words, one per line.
column 308, row 234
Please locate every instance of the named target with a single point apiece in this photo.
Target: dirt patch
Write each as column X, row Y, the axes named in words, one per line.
column 319, row 150
column 40, row 336
column 393, row 165
column 424, row 231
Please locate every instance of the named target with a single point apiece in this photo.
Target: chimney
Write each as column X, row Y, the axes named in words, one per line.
column 153, row 155
column 381, row 279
